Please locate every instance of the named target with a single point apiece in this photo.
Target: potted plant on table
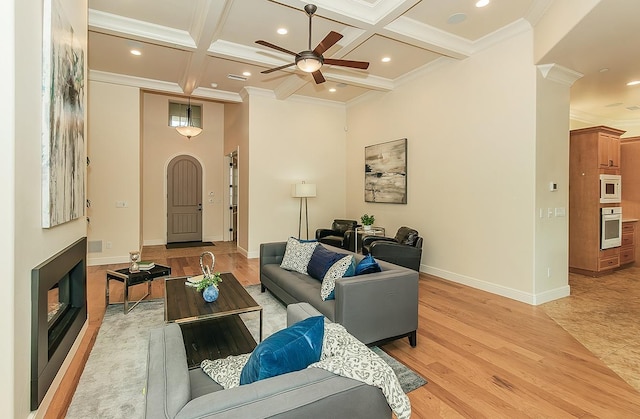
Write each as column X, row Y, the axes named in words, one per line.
column 367, row 221
column 209, row 287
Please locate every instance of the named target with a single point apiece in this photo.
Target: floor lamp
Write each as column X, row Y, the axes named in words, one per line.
column 303, row 191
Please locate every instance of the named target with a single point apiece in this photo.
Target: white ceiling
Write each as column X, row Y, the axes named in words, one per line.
column 187, row 45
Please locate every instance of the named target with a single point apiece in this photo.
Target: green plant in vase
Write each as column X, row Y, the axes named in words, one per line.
column 209, row 287
column 367, row 221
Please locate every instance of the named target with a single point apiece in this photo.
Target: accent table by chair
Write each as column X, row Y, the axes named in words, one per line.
column 360, row 231
column 130, row 279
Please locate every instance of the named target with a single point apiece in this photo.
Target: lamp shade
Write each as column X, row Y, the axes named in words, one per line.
column 303, row 190
column 189, row 130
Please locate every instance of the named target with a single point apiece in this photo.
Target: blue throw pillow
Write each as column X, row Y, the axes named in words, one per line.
column 368, row 265
column 321, row 260
column 288, row 350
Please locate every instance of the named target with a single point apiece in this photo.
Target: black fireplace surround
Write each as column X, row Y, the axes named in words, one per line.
column 58, row 313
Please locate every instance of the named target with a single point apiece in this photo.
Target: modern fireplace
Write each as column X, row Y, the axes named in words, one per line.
column 58, row 312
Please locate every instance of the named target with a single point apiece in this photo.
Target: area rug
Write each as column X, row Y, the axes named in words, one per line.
column 113, row 380
column 181, row 245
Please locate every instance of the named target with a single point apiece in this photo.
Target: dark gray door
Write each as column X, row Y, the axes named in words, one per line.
column 184, row 200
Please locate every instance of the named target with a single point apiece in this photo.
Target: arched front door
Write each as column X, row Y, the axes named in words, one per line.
column 184, row 200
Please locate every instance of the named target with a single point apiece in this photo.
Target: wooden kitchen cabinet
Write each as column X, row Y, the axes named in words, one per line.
column 592, row 152
column 628, row 248
column 608, row 150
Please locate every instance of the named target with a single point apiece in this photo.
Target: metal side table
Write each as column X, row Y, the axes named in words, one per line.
column 130, row 279
column 361, row 232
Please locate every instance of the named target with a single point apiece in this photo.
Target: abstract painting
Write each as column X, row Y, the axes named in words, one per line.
column 385, row 172
column 63, row 145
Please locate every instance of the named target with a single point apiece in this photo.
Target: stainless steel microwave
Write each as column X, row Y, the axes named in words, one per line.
column 610, row 189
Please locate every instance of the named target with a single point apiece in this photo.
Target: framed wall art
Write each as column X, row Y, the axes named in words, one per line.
column 63, row 145
column 385, row 172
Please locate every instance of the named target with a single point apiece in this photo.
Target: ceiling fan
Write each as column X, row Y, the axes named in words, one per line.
column 310, row 61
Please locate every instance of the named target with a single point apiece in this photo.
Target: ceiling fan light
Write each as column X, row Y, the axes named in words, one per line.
column 308, row 61
column 309, row 65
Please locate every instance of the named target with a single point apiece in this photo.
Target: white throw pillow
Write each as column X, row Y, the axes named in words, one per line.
column 344, row 267
column 297, row 255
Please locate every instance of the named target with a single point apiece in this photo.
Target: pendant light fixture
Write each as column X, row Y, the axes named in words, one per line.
column 189, row 130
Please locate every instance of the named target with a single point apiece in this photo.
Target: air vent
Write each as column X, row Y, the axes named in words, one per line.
column 633, row 108
column 94, row 246
column 236, row 77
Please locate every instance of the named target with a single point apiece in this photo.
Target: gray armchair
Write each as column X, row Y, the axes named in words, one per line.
column 339, row 235
column 404, row 249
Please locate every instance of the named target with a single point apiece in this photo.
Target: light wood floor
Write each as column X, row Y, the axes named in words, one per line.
column 483, row 355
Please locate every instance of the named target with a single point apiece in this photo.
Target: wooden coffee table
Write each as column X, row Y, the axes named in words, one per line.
column 211, row 330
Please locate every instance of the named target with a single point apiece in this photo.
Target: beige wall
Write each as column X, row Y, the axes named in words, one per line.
column 291, row 141
column 8, row 210
column 31, row 243
column 552, row 165
column 160, row 144
column 471, row 129
column 114, row 172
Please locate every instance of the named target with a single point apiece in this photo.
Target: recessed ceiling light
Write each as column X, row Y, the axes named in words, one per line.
column 214, row 85
column 482, row 3
column 386, row 59
column 633, row 83
column 604, row 70
column 246, row 74
column 283, row 31
column 136, row 52
column 456, row 18
column 332, row 90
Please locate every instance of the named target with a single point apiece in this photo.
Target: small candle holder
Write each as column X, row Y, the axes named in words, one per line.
column 134, row 258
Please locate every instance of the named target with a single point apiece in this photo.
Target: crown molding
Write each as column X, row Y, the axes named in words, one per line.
column 537, row 10
column 257, row 91
column 369, row 13
column 587, row 118
column 161, row 86
column 559, row 74
column 110, row 23
column 424, row 36
column 509, row 31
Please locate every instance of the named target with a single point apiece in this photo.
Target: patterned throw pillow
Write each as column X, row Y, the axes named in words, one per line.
column 342, row 268
column 225, row 371
column 297, row 255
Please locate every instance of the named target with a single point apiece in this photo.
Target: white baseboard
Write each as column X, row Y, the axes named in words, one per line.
column 525, row 297
column 107, row 260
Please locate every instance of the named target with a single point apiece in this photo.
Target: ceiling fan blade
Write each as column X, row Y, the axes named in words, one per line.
column 363, row 65
column 318, row 77
column 328, row 41
column 270, row 45
column 271, row 70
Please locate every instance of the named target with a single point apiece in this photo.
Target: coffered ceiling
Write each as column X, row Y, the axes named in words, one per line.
column 193, row 46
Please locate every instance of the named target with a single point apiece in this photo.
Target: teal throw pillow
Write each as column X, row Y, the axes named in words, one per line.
column 342, row 268
column 297, row 255
column 288, row 350
column 321, row 260
column 367, row 265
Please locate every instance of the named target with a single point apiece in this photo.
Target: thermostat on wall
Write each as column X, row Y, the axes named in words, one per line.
column 553, row 186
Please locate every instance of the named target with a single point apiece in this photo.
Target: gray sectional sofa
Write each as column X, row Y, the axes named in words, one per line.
column 174, row 391
column 375, row 307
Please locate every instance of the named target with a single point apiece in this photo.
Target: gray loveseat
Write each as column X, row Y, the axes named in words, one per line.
column 374, row 307
column 174, row 391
